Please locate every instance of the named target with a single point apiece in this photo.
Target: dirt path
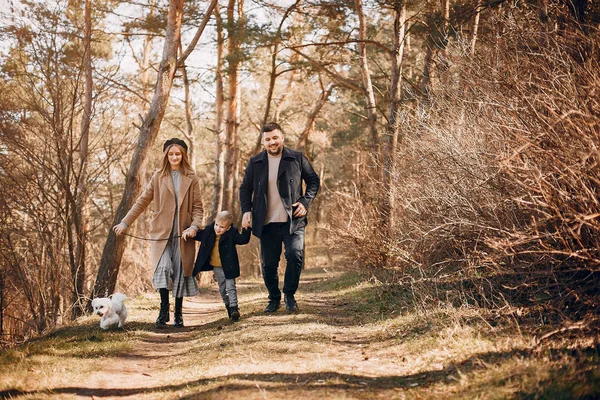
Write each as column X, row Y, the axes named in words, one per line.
column 325, row 349
column 342, row 344
column 142, row 367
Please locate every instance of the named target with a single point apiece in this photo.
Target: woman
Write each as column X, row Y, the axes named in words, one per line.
column 177, row 215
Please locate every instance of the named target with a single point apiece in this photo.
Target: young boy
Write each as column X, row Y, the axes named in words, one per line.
column 218, row 253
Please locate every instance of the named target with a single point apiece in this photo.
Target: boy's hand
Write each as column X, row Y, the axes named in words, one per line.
column 188, row 233
column 247, row 220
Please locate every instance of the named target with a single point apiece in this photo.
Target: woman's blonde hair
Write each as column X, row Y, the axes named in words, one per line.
column 185, row 161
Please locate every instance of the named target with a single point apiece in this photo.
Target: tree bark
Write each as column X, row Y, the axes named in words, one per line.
column 145, row 65
column 425, row 85
column 366, row 78
column 80, row 212
column 392, row 131
column 475, row 26
column 233, row 54
column 189, row 126
column 113, row 249
column 219, row 132
column 310, row 122
column 286, row 92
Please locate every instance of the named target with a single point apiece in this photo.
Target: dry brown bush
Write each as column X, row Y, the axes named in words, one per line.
column 498, row 178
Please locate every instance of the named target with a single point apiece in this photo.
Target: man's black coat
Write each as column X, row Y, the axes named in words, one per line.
column 227, row 250
column 293, row 169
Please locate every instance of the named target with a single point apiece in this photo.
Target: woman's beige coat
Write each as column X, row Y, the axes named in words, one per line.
column 160, row 192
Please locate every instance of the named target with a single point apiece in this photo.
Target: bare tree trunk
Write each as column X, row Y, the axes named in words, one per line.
column 189, row 126
column 272, row 79
column 219, row 132
column 1, row 304
column 114, row 247
column 446, row 5
column 542, row 10
column 80, row 212
column 444, row 77
column 145, row 65
column 235, row 201
column 310, row 122
column 366, row 77
column 286, row 91
column 425, row 85
column 233, row 52
column 475, row 26
column 389, row 169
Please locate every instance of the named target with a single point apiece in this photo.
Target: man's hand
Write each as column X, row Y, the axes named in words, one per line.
column 247, row 220
column 188, row 233
column 300, row 210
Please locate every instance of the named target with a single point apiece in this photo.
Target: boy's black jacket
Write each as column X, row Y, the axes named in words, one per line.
column 227, row 250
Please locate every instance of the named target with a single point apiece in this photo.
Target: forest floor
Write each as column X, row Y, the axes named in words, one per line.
column 346, row 342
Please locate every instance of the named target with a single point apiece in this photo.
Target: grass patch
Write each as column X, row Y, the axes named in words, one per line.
column 353, row 338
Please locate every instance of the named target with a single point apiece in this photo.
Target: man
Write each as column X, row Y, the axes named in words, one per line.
column 275, row 206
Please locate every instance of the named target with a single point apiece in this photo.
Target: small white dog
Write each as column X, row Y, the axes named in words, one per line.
column 111, row 310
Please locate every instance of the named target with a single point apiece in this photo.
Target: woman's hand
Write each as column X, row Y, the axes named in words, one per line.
column 188, row 233
column 120, row 229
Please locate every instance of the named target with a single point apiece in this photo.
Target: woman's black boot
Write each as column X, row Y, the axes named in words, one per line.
column 178, row 312
column 163, row 315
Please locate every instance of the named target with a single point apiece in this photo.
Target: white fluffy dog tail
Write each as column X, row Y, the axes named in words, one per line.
column 119, row 297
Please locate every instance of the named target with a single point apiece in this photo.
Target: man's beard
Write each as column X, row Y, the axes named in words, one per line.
column 275, row 152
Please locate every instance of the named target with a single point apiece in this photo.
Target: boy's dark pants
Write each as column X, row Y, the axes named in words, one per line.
column 273, row 235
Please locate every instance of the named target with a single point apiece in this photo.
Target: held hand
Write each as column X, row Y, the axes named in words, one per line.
column 119, row 229
column 188, row 233
column 300, row 210
column 247, row 220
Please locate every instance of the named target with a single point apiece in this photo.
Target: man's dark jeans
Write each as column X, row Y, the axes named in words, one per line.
column 273, row 235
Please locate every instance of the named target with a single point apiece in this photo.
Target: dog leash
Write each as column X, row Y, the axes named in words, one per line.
column 150, row 240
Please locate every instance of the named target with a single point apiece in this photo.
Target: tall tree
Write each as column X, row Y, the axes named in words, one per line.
column 114, row 247
column 369, row 94
column 220, row 135
column 393, row 127
column 80, row 212
column 234, row 58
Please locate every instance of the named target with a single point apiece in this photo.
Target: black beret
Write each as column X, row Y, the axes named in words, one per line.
column 176, row 141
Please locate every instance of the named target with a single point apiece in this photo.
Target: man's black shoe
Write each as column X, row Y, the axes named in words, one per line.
column 272, row 306
column 290, row 303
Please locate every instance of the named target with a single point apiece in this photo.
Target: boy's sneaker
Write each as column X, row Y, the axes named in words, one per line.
column 234, row 313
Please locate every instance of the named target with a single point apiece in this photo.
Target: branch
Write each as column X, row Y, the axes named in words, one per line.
column 337, row 77
column 373, row 42
column 199, row 32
